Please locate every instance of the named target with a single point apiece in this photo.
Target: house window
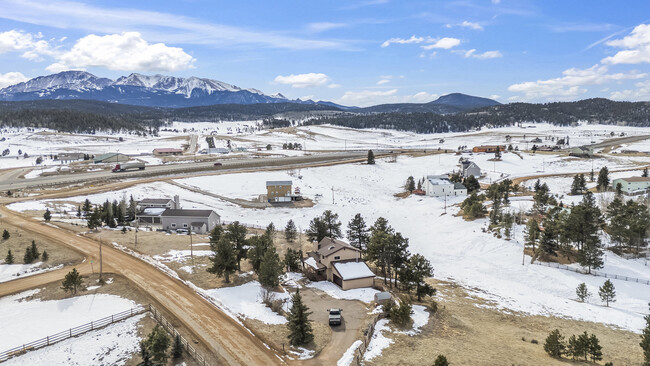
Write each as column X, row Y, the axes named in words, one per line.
column 173, row 224
column 337, row 257
column 185, row 225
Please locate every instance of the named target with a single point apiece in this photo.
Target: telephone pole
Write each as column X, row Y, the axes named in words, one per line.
column 332, row 194
column 100, row 259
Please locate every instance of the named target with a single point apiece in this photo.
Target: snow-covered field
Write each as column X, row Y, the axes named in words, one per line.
column 458, row 250
column 30, row 320
column 10, row 272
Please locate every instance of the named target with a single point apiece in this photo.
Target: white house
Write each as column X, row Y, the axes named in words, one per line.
column 632, row 185
column 441, row 186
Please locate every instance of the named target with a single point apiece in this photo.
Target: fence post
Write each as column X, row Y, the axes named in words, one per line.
column 91, row 325
column 112, row 319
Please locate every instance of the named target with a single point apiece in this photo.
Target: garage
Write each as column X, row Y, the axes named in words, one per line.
column 352, row 274
column 337, row 280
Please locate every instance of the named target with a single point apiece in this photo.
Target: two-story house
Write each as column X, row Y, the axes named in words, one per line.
column 338, row 262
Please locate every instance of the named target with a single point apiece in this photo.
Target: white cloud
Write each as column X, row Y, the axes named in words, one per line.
column 324, row 26
column 372, row 97
column 303, row 80
column 483, row 56
column 494, row 96
column 413, row 39
column 156, row 26
column 11, row 78
column 572, row 83
column 383, row 81
column 444, row 43
column 126, row 51
column 496, row 2
column 30, row 44
column 334, row 86
column 640, row 94
column 636, row 47
column 466, row 24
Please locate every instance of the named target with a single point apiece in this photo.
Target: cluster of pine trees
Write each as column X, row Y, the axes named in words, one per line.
column 606, row 292
column 584, row 346
column 111, row 214
column 154, row 349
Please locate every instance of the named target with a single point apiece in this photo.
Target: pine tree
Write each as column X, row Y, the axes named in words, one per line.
column 270, row 269
column 582, row 292
column 290, row 231
column 410, row 184
column 72, row 281
column 157, row 344
column 86, row 207
column 177, row 349
column 78, row 211
column 582, row 227
column 594, row 349
column 645, row 172
column 317, row 230
column 441, row 361
column 371, row 158
column 645, row 341
column 45, row 256
column 357, row 233
column 579, row 184
column 472, row 184
column 34, row 250
column 332, row 223
column 497, row 153
column 532, row 233
column 603, row 179
column 292, row 259
column 270, row 231
column 414, row 274
column 607, row 292
column 28, row 258
column 5, row 234
column 554, row 344
column 236, row 235
column 224, row 261
column 300, row 331
column 144, row 355
column 257, row 245
column 9, row 259
column 47, row 215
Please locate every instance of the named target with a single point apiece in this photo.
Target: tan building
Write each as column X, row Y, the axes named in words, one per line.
column 278, row 190
column 339, row 262
column 488, row 148
column 167, row 152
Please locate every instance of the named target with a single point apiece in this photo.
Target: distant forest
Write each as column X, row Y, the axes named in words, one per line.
column 83, row 116
column 598, row 110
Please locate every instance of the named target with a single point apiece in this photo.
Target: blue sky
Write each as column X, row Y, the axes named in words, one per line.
column 356, row 52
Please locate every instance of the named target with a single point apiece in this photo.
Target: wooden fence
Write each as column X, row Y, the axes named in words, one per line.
column 101, row 323
column 367, row 336
column 72, row 332
column 594, row 273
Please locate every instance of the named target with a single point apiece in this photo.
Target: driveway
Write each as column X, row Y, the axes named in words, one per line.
column 354, row 313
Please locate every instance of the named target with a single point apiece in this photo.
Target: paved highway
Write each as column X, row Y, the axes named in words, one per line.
column 10, row 182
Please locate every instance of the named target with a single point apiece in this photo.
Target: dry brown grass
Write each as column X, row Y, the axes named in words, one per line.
column 276, row 335
column 469, row 334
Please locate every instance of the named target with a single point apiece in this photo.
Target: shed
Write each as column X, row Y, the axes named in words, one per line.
column 382, row 297
column 111, row 158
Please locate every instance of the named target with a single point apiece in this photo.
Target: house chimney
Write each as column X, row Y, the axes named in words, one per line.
column 177, row 202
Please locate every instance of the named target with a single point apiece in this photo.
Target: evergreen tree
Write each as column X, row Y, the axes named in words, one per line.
column 410, row 184
column 554, row 344
column 224, row 261
column 86, row 207
column 28, row 257
column 5, row 234
column 497, row 153
column 371, row 158
column 270, row 269
column 290, row 231
column 78, row 212
column 582, row 228
column 420, row 184
column 216, row 234
column 400, row 314
column 300, row 331
column 441, row 361
column 94, row 220
column 45, row 256
column 332, row 223
column 381, row 225
column 34, row 250
column 157, row 344
column 177, row 349
column 144, row 355
column 270, row 231
column 594, row 349
column 472, row 184
column 582, row 292
column 9, row 259
column 414, row 274
column 236, row 235
column 603, row 179
column 47, row 215
column 258, row 245
column 607, row 292
column 579, row 185
column 645, row 172
column 645, row 341
column 532, row 233
column 72, row 281
column 357, row 233
column 317, row 230
column 292, row 260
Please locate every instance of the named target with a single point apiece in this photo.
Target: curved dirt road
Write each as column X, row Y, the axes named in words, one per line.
column 221, row 334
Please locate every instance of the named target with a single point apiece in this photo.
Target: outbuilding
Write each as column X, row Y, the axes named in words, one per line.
column 199, row 221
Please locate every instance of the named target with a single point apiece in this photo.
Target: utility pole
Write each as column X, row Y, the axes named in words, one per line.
column 100, row 260
column 445, row 202
column 191, row 245
column 136, row 232
column 332, row 194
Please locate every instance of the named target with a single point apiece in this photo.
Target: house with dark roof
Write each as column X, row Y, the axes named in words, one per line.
column 470, row 168
column 150, row 210
column 339, row 262
column 199, row 221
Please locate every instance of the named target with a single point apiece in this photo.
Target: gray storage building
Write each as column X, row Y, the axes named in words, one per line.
column 200, row 221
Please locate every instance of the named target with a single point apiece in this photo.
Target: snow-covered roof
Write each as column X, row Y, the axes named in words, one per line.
column 311, row 262
column 153, row 211
column 353, row 270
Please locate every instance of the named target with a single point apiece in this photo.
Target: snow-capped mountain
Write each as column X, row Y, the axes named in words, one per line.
column 138, row 89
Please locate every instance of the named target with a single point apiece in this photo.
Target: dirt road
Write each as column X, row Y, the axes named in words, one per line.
column 29, row 282
column 221, row 334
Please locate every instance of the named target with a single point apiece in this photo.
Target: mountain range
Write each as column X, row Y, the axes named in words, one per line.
column 176, row 92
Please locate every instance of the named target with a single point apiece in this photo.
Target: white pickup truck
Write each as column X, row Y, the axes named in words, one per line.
column 335, row 316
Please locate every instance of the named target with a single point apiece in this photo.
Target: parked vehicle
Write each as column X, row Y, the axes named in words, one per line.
column 335, row 316
column 218, row 164
column 122, row 167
